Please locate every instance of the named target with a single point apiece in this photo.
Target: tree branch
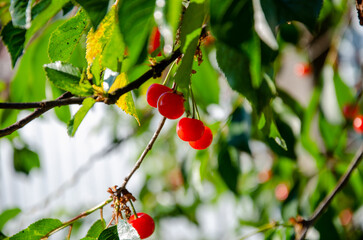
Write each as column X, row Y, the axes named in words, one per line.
column 39, row 111
column 43, row 104
column 42, row 107
column 306, row 224
column 154, row 72
column 359, row 6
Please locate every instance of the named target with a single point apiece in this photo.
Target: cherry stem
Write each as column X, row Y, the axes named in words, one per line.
column 194, row 104
column 133, row 209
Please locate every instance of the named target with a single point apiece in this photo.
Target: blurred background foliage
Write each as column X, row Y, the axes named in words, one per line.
column 272, row 95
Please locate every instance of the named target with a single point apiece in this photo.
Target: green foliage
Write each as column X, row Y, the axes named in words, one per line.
column 95, row 9
column 79, row 116
column 109, row 234
column 14, row 39
column 37, row 230
column 8, row 214
column 64, row 40
column 25, row 160
column 95, row 230
column 68, row 78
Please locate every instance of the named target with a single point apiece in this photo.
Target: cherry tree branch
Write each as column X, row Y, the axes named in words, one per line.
column 306, row 224
column 38, row 112
column 42, row 107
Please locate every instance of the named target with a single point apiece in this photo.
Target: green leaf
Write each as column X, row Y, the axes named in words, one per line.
column 74, row 123
column 21, row 13
column 8, row 214
column 239, row 130
column 65, row 38
column 189, row 37
column 67, row 77
column 96, row 10
column 114, row 51
column 231, row 21
column 135, row 27
column 332, row 134
column 2, row 236
column 285, row 145
column 67, row 8
column 40, row 7
column 109, row 234
column 205, row 83
column 63, row 113
column 25, row 160
column 96, row 228
column 227, row 168
column 282, row 11
column 43, row 17
column 28, row 84
column 37, row 230
column 343, row 92
column 235, row 66
column 14, row 39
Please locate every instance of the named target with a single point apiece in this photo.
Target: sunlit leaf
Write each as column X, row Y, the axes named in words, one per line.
column 74, row 123
column 125, row 102
column 109, row 234
column 65, row 38
column 20, row 11
column 37, row 230
column 68, row 78
column 7, row 215
column 96, row 10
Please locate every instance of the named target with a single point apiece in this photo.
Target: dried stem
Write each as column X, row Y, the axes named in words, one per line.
column 327, row 200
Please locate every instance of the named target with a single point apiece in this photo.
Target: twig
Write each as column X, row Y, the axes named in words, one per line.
column 154, row 72
column 82, row 215
column 29, row 118
column 43, row 104
column 327, row 200
column 69, row 232
column 264, row 228
column 140, row 160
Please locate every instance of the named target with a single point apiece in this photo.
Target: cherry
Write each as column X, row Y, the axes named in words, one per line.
column 154, row 42
column 302, row 69
column 350, row 111
column 144, row 224
column 358, row 123
column 281, row 192
column 153, row 93
column 204, row 141
column 190, row 129
column 171, row 105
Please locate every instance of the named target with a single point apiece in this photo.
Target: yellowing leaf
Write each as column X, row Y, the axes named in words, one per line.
column 125, row 102
column 97, row 40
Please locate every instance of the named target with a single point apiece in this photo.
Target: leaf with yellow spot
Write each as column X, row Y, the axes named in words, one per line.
column 125, row 102
column 97, row 40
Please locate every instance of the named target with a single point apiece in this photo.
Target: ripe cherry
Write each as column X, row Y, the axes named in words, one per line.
column 358, row 123
column 302, row 69
column 154, row 42
column 171, row 105
column 204, row 141
column 144, row 224
column 154, row 92
column 350, row 111
column 190, row 129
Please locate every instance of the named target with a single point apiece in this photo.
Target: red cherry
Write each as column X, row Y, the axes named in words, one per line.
column 171, row 105
column 190, row 129
column 154, row 92
column 350, row 111
column 204, row 141
column 154, row 41
column 358, row 123
column 144, row 224
column 302, row 69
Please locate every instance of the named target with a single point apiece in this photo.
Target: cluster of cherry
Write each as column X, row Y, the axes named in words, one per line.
column 170, row 104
